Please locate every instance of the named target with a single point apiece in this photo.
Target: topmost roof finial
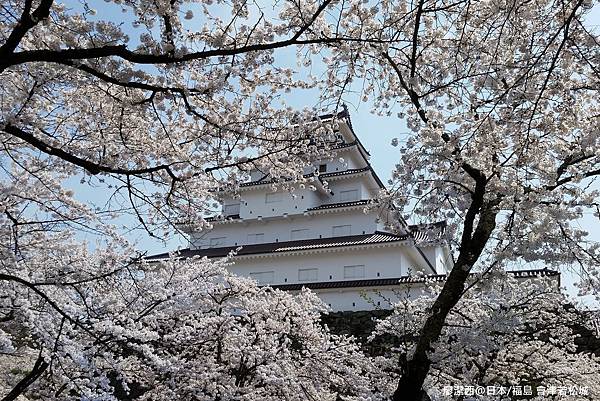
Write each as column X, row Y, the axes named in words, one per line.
column 346, row 114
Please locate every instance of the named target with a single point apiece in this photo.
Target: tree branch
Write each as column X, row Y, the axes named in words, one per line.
column 91, row 167
column 26, row 22
column 38, row 368
column 121, row 51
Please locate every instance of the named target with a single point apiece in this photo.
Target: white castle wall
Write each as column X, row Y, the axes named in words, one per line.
column 437, row 258
column 280, row 230
column 255, row 202
column 383, row 262
column 351, row 160
column 369, row 298
column 262, row 201
column 364, row 190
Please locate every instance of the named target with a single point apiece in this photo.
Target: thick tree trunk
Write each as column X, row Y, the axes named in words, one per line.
column 410, row 385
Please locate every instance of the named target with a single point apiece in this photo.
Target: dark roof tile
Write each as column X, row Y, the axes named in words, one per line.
column 222, row 218
column 287, row 246
column 400, row 280
column 428, row 233
column 340, row 204
column 345, row 172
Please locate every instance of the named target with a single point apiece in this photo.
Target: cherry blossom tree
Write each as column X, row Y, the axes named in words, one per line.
column 152, row 118
column 505, row 333
column 501, row 99
column 183, row 330
column 167, row 116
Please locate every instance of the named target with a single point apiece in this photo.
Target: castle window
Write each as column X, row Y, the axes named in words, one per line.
column 339, row 231
column 256, row 238
column 349, row 195
column 274, row 197
column 308, row 274
column 263, row 277
column 302, row 233
column 354, row 271
column 217, row 241
column 231, row 209
column 322, row 168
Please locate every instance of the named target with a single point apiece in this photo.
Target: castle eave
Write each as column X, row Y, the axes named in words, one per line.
column 279, row 248
column 399, row 281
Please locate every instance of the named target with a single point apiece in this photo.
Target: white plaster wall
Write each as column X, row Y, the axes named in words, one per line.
column 443, row 260
column 279, row 229
column 381, row 262
column 363, row 184
column 337, row 186
column 253, row 202
column 431, row 255
column 352, row 299
column 351, row 160
column 436, row 256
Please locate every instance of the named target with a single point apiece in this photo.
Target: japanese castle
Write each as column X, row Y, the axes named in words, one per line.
column 333, row 239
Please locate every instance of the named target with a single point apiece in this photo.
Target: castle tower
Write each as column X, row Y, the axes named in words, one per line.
column 323, row 238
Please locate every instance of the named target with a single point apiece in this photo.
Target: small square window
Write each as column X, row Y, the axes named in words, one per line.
column 217, row 241
column 263, row 277
column 339, row 231
column 322, row 168
column 302, row 233
column 308, row 274
column 256, row 238
column 354, row 271
column 274, row 197
column 232, row 209
column 349, row 195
